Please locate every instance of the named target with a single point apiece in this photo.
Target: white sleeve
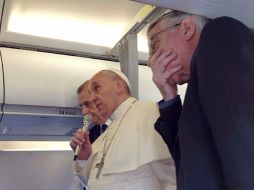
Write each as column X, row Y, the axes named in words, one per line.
column 76, row 183
column 165, row 171
column 81, row 168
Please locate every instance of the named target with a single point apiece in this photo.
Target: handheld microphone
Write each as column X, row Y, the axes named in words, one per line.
column 87, row 120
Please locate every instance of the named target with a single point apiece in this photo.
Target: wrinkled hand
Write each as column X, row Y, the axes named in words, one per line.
column 81, row 139
column 162, row 72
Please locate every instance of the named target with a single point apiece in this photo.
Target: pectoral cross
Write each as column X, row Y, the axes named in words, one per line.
column 99, row 166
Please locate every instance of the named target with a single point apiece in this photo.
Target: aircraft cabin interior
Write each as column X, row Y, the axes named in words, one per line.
column 47, row 49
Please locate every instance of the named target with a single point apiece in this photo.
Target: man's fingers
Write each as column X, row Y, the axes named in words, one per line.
column 78, row 138
column 173, row 70
column 160, row 64
column 167, row 60
column 73, row 144
column 166, row 55
column 76, row 141
column 154, row 57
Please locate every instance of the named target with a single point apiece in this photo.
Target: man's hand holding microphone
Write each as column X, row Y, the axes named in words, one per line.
column 80, row 142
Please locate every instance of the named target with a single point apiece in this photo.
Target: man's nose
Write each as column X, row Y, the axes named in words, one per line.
column 93, row 98
column 85, row 110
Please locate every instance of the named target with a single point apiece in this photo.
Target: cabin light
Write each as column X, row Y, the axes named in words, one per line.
column 68, row 28
column 64, row 27
column 61, row 28
column 35, row 146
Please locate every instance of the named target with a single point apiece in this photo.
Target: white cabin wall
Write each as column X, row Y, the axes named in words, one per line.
column 40, row 170
column 47, row 79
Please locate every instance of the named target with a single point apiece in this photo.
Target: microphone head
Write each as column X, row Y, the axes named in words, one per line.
column 87, row 120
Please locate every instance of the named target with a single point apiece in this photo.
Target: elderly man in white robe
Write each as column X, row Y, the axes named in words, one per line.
column 129, row 155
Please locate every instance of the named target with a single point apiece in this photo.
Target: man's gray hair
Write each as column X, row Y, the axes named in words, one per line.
column 176, row 17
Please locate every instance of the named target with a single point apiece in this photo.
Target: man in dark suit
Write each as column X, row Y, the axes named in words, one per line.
column 210, row 137
column 88, row 108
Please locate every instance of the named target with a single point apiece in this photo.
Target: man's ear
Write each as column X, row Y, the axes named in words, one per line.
column 188, row 28
column 119, row 85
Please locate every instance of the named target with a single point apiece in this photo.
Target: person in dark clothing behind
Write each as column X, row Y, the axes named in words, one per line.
column 210, row 137
column 88, row 108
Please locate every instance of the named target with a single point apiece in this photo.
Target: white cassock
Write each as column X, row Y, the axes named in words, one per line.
column 136, row 156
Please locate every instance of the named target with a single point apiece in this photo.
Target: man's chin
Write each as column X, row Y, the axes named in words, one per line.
column 180, row 80
column 101, row 111
column 99, row 107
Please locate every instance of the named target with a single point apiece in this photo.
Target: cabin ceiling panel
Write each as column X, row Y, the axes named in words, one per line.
column 242, row 10
column 81, row 26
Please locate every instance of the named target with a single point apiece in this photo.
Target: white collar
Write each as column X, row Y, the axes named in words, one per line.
column 120, row 110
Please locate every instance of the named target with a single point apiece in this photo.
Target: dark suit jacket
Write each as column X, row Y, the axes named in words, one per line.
column 95, row 132
column 212, row 143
